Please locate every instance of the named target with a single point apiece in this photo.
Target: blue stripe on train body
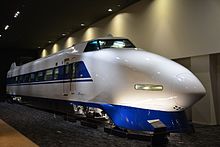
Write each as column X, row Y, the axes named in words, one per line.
column 80, row 72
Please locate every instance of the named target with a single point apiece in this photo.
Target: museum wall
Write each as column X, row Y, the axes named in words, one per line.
column 19, row 56
column 207, row 69
column 172, row 28
column 204, row 110
column 217, row 89
column 183, row 30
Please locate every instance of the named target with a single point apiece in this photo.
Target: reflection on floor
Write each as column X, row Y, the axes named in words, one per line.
column 9, row 137
column 47, row 129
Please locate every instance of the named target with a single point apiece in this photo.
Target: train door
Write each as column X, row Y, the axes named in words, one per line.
column 66, row 77
column 73, row 77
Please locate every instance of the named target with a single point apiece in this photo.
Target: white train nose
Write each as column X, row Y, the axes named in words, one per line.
column 188, row 90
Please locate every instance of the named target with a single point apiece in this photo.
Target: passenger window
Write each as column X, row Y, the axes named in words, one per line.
column 66, row 70
column 11, row 80
column 26, row 78
column 32, row 77
column 48, row 75
column 92, row 46
column 73, row 70
column 20, row 79
column 16, row 79
column 56, row 73
column 39, row 76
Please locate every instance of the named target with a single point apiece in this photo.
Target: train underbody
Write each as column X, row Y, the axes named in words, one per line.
column 91, row 115
column 119, row 116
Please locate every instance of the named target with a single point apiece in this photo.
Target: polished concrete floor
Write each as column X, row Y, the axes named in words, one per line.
column 49, row 130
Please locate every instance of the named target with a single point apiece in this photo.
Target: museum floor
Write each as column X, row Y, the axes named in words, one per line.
column 49, row 130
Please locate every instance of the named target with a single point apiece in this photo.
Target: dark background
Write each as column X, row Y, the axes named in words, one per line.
column 8, row 56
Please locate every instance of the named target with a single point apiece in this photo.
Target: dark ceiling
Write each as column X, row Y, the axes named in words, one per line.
column 42, row 20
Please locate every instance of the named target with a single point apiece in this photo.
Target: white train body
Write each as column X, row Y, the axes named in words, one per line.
column 122, row 76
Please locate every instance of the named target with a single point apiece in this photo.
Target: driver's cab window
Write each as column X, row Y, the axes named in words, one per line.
column 92, row 46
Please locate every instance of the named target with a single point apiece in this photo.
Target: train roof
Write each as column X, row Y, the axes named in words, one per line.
column 101, row 38
column 107, row 38
column 71, row 49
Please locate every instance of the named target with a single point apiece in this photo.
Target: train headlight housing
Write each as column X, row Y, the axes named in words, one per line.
column 148, row 87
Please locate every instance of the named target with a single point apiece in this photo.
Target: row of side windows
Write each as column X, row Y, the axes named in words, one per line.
column 57, row 73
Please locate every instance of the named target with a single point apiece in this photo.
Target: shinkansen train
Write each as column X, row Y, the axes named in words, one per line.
column 131, row 86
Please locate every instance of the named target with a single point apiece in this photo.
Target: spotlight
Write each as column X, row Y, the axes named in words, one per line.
column 6, row 27
column 16, row 14
column 109, row 10
column 82, row 24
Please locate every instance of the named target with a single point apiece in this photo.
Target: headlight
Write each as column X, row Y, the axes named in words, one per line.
column 149, row 87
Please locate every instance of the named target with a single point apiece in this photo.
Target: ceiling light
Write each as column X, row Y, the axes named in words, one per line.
column 6, row 27
column 82, row 24
column 63, row 34
column 39, row 47
column 49, row 41
column 16, row 14
column 119, row 5
column 109, row 10
column 0, row 36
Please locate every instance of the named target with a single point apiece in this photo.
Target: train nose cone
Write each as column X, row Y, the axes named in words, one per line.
column 188, row 90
